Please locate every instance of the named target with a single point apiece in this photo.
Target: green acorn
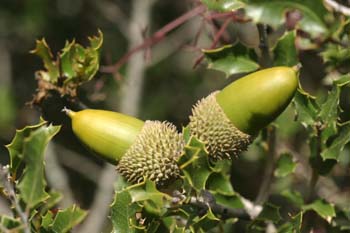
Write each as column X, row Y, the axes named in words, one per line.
column 228, row 120
column 140, row 149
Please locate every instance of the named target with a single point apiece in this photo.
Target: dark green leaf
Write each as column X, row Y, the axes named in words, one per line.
column 293, row 225
column 32, row 184
column 306, row 108
column 9, row 223
column 194, row 164
column 270, row 212
column 334, row 150
column 205, row 222
column 220, row 183
column 67, row 219
column 223, row 5
column 285, row 165
column 272, row 12
column 322, row 208
column 294, row 197
column 285, row 51
column 123, row 212
column 153, row 200
column 15, row 148
column 231, row 59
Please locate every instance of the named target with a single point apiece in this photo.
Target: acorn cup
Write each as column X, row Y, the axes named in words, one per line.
column 140, row 149
column 227, row 121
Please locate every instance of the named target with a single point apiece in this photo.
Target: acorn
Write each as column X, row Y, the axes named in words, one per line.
column 140, row 149
column 227, row 121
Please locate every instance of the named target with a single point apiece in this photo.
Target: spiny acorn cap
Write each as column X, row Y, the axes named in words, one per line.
column 153, row 155
column 210, row 124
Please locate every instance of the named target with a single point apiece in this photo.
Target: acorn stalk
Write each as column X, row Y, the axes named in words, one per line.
column 228, row 120
column 140, row 149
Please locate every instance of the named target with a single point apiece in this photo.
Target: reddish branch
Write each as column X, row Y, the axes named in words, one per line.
column 155, row 38
column 215, row 41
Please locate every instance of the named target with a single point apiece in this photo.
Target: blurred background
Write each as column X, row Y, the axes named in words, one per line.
column 159, row 83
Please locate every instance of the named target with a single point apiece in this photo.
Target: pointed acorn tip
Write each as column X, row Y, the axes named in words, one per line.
column 69, row 112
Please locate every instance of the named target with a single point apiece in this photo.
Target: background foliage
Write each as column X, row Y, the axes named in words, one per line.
column 294, row 177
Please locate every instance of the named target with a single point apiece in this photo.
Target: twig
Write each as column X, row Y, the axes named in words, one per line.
column 338, row 7
column 155, row 38
column 131, row 92
column 57, row 177
column 4, row 175
column 272, row 156
column 265, row 58
column 215, row 41
column 223, row 211
column 314, row 174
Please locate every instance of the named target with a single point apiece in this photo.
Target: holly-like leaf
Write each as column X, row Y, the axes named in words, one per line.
column 67, row 219
column 47, row 220
column 15, row 148
column 80, row 64
column 285, row 165
column 123, row 212
column 270, row 212
column 285, row 51
column 306, row 108
column 293, row 225
column 153, row 200
column 32, row 184
column 220, row 183
column 294, row 197
column 343, row 138
column 44, row 52
column 195, row 165
column 223, row 5
column 205, row 222
column 322, row 208
column 272, row 12
column 9, row 223
column 231, row 59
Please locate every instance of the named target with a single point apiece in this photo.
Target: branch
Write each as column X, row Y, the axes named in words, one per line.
column 57, row 177
column 215, row 41
column 338, row 7
column 265, row 58
column 155, row 38
column 4, row 176
column 217, row 209
column 272, row 157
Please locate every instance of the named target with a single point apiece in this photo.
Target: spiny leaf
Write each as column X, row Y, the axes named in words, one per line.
column 285, row 165
column 322, row 208
column 306, row 108
column 285, row 51
column 32, row 184
column 15, row 148
column 343, row 138
column 67, row 219
column 293, row 225
column 9, row 223
column 44, row 51
column 123, row 212
column 294, row 197
column 272, row 12
column 231, row 59
column 270, row 212
column 153, row 200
